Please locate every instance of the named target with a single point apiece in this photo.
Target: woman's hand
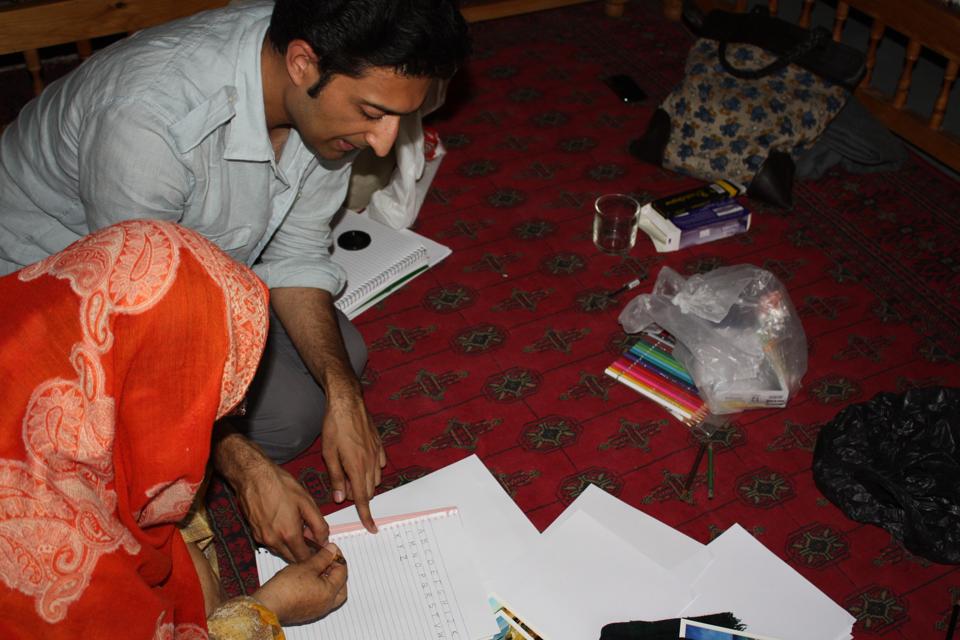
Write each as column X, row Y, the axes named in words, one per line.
column 307, row 590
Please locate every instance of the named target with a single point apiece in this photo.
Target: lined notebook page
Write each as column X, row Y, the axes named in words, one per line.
column 402, row 585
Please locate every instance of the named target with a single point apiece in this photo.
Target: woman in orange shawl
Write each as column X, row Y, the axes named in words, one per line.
column 117, row 355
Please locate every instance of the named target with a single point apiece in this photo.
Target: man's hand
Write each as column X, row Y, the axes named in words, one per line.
column 352, row 449
column 282, row 514
column 353, row 453
column 280, row 511
column 308, row 590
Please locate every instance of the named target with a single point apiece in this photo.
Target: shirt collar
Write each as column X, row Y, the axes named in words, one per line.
column 247, row 137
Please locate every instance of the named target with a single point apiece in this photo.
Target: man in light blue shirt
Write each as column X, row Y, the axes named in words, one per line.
column 241, row 124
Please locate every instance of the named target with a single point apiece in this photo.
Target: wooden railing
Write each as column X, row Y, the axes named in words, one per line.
column 29, row 26
column 926, row 24
column 490, row 9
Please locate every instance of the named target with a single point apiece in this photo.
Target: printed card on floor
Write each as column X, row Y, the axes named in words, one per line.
column 693, row 630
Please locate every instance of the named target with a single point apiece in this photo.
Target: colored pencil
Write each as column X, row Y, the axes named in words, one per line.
column 662, row 359
column 679, row 412
column 710, row 470
column 664, row 398
column 953, row 620
column 693, row 470
column 652, row 366
column 660, row 385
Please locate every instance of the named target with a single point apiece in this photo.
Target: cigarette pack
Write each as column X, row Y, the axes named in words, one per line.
column 680, row 229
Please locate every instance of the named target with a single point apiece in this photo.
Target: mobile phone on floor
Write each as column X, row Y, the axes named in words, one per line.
column 626, row 88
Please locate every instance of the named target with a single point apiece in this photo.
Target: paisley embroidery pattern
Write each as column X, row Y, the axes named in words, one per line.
column 169, row 502
column 166, row 631
column 246, row 319
column 57, row 507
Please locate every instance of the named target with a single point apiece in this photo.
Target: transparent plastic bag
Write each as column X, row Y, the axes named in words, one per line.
column 737, row 334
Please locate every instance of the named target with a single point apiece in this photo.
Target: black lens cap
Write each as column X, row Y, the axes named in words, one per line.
column 353, row 240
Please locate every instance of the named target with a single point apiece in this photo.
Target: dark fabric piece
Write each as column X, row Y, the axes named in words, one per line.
column 664, row 629
column 895, row 462
column 855, row 140
column 650, row 146
column 773, row 184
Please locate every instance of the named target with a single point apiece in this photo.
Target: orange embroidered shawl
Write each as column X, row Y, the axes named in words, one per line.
column 116, row 357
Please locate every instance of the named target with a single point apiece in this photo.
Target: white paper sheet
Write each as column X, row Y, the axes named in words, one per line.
column 660, row 542
column 496, row 530
column 414, row 580
column 582, row 577
column 769, row 596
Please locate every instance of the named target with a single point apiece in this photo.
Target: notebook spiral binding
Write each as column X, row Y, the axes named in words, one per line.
column 359, row 294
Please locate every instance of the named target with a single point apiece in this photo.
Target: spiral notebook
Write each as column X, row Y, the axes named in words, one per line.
column 378, row 260
column 414, row 580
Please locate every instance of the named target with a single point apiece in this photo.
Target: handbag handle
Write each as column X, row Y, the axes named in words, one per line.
column 815, row 38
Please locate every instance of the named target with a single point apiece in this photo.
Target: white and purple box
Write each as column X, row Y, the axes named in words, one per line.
column 710, row 222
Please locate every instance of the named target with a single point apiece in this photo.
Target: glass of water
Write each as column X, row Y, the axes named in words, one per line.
column 615, row 223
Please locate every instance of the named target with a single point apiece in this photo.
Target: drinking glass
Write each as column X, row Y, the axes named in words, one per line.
column 615, row 223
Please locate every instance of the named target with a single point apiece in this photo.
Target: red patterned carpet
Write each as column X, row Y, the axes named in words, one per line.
column 500, row 350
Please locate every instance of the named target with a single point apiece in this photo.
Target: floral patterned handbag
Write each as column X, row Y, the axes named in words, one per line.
column 747, row 127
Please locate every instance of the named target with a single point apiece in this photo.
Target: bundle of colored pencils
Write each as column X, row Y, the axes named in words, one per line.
column 650, row 368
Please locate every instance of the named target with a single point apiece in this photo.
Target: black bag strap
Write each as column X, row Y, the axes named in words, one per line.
column 815, row 38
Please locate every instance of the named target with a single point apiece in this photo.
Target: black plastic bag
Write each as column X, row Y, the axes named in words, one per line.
column 895, row 462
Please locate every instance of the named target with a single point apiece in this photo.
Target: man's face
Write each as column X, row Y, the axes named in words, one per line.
column 353, row 113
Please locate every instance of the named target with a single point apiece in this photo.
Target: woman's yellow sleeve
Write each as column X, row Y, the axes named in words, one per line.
column 244, row 619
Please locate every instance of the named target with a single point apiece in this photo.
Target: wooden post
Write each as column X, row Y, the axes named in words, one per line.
column 36, row 70
column 906, row 76
column 876, row 33
column 940, row 108
column 839, row 19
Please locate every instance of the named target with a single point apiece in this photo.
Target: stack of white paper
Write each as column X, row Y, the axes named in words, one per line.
column 604, row 561
column 638, row 568
column 582, row 576
column 766, row 593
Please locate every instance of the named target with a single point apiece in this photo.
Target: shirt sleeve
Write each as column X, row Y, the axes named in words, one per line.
column 298, row 255
column 128, row 168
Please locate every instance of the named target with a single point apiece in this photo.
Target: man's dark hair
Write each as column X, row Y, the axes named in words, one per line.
column 415, row 38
